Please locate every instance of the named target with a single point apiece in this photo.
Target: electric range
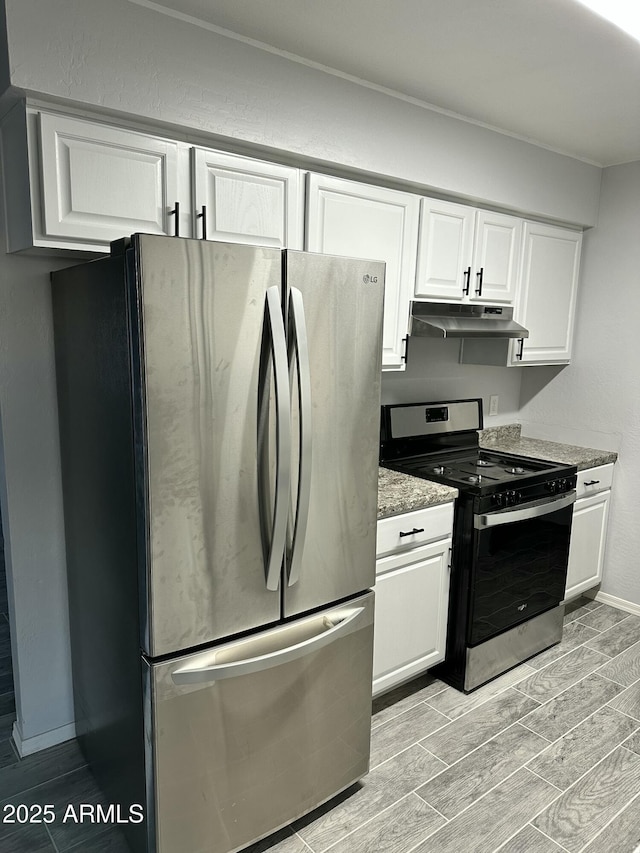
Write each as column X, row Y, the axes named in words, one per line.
column 512, row 527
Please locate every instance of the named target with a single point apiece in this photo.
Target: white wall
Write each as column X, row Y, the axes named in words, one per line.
column 123, row 57
column 120, row 58
column 598, row 395
column 434, row 373
column 31, row 502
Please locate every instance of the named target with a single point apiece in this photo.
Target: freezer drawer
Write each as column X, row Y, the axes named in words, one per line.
column 254, row 733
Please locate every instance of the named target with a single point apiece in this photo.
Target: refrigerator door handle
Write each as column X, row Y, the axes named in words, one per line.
column 274, row 344
column 298, row 640
column 299, row 346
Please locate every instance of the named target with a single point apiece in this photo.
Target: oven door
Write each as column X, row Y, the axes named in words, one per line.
column 519, row 566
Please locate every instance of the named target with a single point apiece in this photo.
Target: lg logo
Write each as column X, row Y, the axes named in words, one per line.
column 369, row 279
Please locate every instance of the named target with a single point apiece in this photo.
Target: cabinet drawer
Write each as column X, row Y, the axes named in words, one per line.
column 411, row 529
column 594, row 480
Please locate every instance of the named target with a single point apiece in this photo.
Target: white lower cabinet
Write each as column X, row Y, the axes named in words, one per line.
column 412, row 604
column 589, row 530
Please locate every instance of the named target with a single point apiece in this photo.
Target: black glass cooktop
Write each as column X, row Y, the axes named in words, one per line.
column 480, row 467
column 476, row 468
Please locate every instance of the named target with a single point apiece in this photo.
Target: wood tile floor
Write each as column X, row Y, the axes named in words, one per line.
column 544, row 759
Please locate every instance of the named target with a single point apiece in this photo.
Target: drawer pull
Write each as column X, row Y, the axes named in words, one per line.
column 591, row 482
column 411, row 532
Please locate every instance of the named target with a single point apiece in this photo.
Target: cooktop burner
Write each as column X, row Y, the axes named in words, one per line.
column 478, row 468
column 440, row 442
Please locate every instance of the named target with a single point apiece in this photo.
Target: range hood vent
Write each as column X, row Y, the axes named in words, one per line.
column 441, row 320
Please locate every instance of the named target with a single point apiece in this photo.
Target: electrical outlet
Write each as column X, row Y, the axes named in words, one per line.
column 493, row 404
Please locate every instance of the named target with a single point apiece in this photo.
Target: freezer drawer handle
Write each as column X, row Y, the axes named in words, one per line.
column 299, row 346
column 331, row 627
column 274, row 343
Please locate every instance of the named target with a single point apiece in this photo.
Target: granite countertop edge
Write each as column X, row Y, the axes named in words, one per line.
column 399, row 493
column 509, row 439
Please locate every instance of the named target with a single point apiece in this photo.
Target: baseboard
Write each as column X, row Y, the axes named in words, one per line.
column 605, row 598
column 28, row 746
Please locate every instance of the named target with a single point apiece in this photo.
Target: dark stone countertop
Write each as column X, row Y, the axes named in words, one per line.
column 509, row 440
column 399, row 493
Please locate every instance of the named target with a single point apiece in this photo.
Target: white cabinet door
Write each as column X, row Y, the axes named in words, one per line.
column 412, row 603
column 246, row 201
column 547, row 294
column 496, row 254
column 588, row 537
column 445, row 249
column 467, row 255
column 99, row 183
column 349, row 218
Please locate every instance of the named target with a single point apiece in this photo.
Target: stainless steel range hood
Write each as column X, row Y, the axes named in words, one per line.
column 441, row 320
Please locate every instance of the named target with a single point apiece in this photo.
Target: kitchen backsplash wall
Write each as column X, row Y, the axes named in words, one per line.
column 434, row 373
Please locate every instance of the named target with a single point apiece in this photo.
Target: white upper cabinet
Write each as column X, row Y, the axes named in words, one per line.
column 446, row 246
column 467, row 255
column 242, row 200
column 363, row 221
column 495, row 257
column 73, row 183
column 99, row 183
column 547, row 294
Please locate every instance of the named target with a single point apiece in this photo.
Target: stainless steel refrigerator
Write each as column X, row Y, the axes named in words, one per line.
column 219, row 427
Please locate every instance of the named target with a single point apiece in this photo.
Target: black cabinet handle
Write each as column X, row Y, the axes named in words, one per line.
column 405, row 340
column 520, row 348
column 467, row 284
column 176, row 212
column 411, row 532
column 479, row 276
column 592, row 482
column 203, row 216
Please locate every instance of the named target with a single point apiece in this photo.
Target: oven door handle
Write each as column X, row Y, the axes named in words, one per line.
column 535, row 509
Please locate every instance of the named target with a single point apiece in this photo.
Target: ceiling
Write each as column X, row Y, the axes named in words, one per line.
column 545, row 70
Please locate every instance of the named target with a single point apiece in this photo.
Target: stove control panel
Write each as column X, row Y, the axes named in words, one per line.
column 564, row 484
column 511, row 497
